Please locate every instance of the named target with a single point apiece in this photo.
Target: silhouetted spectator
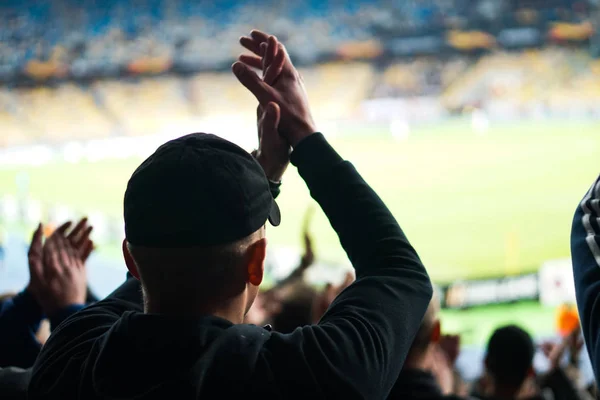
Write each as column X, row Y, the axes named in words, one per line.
column 509, row 372
column 195, row 215
column 54, row 291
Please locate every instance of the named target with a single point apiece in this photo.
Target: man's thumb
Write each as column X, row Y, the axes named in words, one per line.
column 252, row 82
column 273, row 114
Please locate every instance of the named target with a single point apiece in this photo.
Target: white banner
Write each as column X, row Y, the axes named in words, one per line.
column 556, row 283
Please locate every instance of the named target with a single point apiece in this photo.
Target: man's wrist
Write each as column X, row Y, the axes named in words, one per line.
column 273, row 172
column 298, row 137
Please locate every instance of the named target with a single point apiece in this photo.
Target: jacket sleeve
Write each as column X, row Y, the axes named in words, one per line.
column 362, row 340
column 67, row 349
column 20, row 319
column 585, row 253
column 13, row 383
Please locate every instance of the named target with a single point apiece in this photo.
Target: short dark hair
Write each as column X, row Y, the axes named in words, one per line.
column 510, row 354
column 202, row 272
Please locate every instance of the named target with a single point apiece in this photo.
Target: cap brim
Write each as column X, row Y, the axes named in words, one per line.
column 274, row 214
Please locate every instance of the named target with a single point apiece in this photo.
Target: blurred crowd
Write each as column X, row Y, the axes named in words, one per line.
column 90, row 38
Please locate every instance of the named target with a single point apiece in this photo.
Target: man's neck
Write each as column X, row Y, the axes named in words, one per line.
column 230, row 311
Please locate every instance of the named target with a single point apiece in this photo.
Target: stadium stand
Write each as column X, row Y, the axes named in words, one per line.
column 553, row 78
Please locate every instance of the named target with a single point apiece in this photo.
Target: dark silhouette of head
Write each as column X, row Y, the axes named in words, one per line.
column 195, row 214
column 509, row 359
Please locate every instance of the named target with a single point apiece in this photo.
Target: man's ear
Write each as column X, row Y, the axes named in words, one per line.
column 131, row 266
column 436, row 332
column 256, row 255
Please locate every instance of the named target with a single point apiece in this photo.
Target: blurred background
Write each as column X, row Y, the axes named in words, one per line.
column 477, row 121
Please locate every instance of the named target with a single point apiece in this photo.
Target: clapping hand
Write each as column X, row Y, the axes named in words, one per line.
column 281, row 84
column 273, row 152
column 555, row 351
column 57, row 267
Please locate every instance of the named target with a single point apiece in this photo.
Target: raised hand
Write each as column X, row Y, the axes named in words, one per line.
column 442, row 370
column 273, row 152
column 282, row 84
column 36, row 267
column 64, row 274
column 555, row 352
column 80, row 239
column 450, row 345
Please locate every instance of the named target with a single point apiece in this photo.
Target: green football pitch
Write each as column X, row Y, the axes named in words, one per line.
column 473, row 205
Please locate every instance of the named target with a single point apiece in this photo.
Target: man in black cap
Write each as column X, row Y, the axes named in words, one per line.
column 195, row 215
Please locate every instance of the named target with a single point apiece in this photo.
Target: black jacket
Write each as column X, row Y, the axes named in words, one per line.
column 13, row 383
column 112, row 350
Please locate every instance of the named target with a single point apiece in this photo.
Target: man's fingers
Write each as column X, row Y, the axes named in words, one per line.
column 35, row 254
column 253, row 42
column 272, row 117
column 263, row 52
column 52, row 262
column 63, row 228
column 74, row 260
column 35, row 248
column 259, row 114
column 263, row 93
column 251, row 60
column 82, row 239
column 275, row 67
column 270, row 51
column 76, row 232
column 63, row 251
column 250, row 44
column 259, row 36
column 87, row 250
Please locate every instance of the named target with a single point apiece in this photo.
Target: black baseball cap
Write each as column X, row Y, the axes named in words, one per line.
column 197, row 190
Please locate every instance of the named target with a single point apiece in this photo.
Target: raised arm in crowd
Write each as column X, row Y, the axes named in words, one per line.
column 195, row 222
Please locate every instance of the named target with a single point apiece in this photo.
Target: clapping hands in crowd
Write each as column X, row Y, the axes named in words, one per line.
column 281, row 87
column 57, row 266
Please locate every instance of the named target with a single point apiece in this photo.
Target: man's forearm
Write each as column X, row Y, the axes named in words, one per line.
column 376, row 318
